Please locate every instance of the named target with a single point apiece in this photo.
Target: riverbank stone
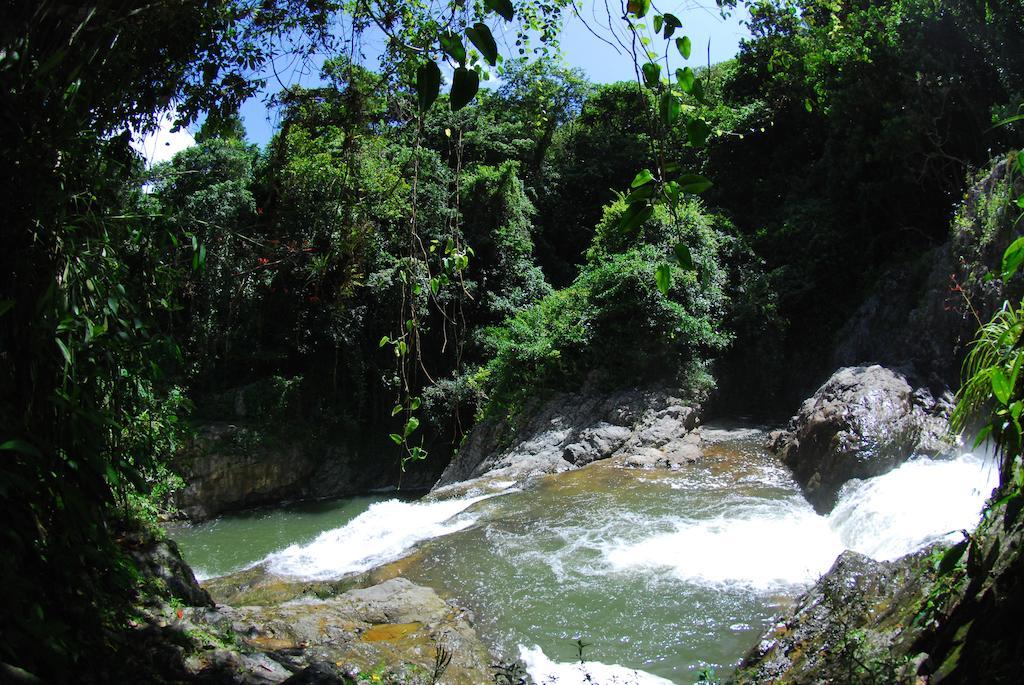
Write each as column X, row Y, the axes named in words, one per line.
column 638, row 428
column 395, row 622
column 862, row 422
column 855, row 625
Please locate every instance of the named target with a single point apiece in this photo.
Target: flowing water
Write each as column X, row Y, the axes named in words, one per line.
column 659, row 572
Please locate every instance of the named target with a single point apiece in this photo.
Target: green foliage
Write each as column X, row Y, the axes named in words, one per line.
column 614, row 319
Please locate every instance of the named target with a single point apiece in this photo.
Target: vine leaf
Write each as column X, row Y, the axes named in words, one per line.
column 697, row 131
column 501, row 7
column 639, row 8
column 685, row 78
column 684, row 46
column 464, row 87
column 671, row 24
column 428, row 84
column 670, row 108
column 481, row 37
column 453, row 46
column 652, row 74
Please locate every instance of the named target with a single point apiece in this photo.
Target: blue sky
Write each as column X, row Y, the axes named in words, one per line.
column 599, row 60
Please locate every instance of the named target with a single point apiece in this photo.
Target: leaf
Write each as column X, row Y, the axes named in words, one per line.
column 1013, row 257
column 501, row 7
column 645, row 176
column 693, row 183
column 982, row 436
column 64, row 350
column 415, row 404
column 396, row 438
column 672, row 191
column 396, row 410
column 663, row 278
column 671, row 24
column 683, row 256
column 452, row 45
column 697, row 131
column 808, row 105
column 428, row 84
column 652, row 74
column 384, row 341
column 684, row 46
column 644, row 192
column 684, row 77
column 698, row 91
column 411, row 425
column 22, row 446
column 670, row 108
column 951, row 556
column 464, row 88
column 638, row 8
column 1008, row 120
column 481, row 37
column 634, row 216
column 435, row 286
column 659, row 21
column 1001, row 387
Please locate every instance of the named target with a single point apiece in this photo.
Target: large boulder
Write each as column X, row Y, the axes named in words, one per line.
column 863, row 422
column 640, row 428
column 855, row 625
column 406, row 626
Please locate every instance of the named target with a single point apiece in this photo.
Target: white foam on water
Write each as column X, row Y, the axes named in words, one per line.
column 781, row 543
column 382, row 533
column 544, row 671
column 921, row 502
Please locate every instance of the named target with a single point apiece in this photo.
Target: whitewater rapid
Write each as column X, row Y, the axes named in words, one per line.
column 662, row 571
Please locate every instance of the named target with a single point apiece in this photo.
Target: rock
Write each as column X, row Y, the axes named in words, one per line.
column 853, row 626
column 863, row 422
column 319, row 673
column 237, row 465
column 160, row 560
column 918, row 315
column 395, row 622
column 641, row 428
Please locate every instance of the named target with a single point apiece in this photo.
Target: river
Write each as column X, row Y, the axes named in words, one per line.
column 659, row 573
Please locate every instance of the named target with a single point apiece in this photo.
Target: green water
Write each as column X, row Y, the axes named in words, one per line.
column 560, row 561
column 229, row 543
column 662, row 571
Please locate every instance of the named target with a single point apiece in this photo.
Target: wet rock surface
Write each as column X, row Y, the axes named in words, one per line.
column 395, row 622
column 638, row 428
column 863, row 422
column 855, row 625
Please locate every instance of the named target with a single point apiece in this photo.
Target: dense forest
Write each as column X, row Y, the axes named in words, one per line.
column 411, row 255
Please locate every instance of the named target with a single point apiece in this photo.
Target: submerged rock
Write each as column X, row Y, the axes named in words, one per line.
column 640, row 428
column 863, row 422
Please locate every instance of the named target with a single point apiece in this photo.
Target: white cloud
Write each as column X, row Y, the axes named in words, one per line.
column 162, row 144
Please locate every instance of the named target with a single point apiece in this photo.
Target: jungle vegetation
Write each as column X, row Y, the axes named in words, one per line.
column 410, row 258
